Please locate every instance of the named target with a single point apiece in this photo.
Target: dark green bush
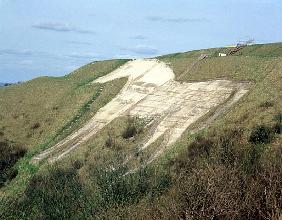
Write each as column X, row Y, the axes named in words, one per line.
column 261, row 135
column 129, row 132
column 117, row 189
column 57, row 195
column 200, row 147
column 112, row 143
column 267, row 104
column 61, row 194
column 227, row 150
column 252, row 159
column 109, row 142
column 134, row 126
column 277, row 128
column 9, row 155
column 35, row 126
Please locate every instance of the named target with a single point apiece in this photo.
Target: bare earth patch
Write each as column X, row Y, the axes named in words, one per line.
column 151, row 92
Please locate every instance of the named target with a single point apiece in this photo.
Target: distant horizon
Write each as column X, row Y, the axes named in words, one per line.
column 22, row 81
column 53, row 38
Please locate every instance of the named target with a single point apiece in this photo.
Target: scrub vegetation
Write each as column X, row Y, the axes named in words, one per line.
column 230, row 170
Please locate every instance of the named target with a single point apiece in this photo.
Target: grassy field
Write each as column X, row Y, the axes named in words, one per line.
column 230, row 170
column 35, row 110
column 37, row 114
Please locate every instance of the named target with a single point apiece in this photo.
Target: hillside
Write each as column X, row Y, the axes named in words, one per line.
column 225, row 165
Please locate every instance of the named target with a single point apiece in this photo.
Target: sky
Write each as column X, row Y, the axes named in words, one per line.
column 55, row 37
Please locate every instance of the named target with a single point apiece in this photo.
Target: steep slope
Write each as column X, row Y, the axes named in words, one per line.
column 37, row 114
column 229, row 170
column 151, row 93
column 34, row 111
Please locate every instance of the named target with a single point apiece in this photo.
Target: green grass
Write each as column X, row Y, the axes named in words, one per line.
column 182, row 174
column 49, row 102
column 67, row 116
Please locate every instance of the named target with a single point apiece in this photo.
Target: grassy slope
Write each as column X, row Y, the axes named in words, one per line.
column 35, row 110
column 261, row 64
column 59, row 105
column 250, row 68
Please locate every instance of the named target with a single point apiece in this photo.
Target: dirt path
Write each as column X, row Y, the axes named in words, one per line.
column 189, row 68
column 151, row 91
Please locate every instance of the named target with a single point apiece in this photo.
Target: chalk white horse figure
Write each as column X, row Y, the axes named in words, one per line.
column 151, row 92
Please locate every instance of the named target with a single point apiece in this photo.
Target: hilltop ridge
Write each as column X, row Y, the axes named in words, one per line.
column 226, row 164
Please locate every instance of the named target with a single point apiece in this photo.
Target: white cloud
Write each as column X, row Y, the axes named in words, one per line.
column 61, row 27
column 26, row 62
column 79, row 42
column 176, row 20
column 142, row 49
column 138, row 37
column 82, row 55
column 124, row 56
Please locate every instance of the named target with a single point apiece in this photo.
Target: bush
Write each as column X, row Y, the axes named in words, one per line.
column 112, row 143
column 57, row 195
column 197, row 150
column 117, row 189
column 109, row 142
column 261, row 135
column 277, row 128
column 129, row 132
column 131, row 129
column 267, row 104
column 61, row 194
column 35, row 126
column 236, row 180
column 252, row 159
column 227, row 151
column 9, row 155
column 200, row 147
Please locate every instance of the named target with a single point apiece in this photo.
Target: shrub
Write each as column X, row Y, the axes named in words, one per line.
column 252, row 159
column 135, row 126
column 129, row 132
column 200, row 147
column 77, row 164
column 261, row 135
column 55, row 195
column 111, row 143
column 277, row 128
column 246, row 184
column 267, row 104
column 9, row 155
column 131, row 129
column 228, row 152
column 117, row 189
column 35, row 126
column 278, row 118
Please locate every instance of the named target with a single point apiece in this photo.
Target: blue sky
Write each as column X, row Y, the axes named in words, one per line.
column 54, row 37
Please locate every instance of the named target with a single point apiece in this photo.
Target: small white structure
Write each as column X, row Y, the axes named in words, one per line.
column 222, row 54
